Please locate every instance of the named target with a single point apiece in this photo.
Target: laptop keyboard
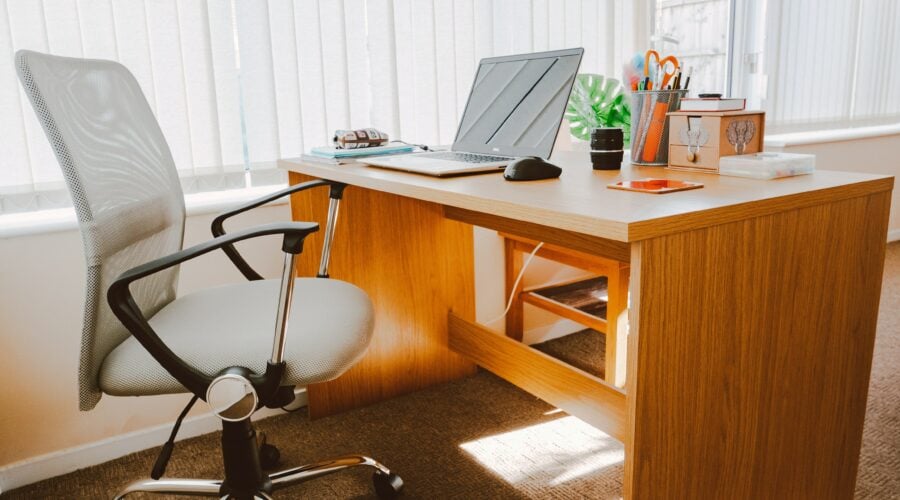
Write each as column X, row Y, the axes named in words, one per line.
column 464, row 157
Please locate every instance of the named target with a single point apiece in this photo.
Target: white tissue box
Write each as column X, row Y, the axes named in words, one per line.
column 767, row 165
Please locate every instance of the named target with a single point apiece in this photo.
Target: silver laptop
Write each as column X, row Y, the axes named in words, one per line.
column 514, row 109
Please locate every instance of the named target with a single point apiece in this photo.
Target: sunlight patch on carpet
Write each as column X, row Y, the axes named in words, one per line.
column 553, row 452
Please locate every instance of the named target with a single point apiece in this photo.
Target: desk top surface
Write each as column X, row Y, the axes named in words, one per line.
column 580, row 200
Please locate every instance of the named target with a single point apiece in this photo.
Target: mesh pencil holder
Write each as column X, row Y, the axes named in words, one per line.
column 650, row 126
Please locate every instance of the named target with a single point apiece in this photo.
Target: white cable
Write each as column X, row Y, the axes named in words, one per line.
column 515, row 287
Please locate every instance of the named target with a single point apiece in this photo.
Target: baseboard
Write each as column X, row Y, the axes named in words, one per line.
column 552, row 331
column 32, row 470
column 894, row 235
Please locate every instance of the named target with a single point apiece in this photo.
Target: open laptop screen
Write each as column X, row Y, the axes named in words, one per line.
column 517, row 103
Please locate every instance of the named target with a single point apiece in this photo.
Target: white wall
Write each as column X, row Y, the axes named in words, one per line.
column 490, row 293
column 41, row 296
column 877, row 155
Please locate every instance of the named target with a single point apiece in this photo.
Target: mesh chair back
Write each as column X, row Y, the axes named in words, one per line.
column 123, row 183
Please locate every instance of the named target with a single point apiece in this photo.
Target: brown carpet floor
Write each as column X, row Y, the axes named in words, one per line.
column 879, row 464
column 431, row 438
column 583, row 350
column 482, row 438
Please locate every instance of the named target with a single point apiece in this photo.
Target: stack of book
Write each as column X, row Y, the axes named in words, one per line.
column 712, row 104
column 338, row 156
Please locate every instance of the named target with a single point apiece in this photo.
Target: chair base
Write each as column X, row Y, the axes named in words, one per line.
column 245, row 478
column 387, row 484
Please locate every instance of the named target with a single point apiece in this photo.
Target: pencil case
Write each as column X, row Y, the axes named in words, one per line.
column 650, row 125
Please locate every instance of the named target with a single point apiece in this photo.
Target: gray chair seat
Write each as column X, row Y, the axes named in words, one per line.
column 330, row 327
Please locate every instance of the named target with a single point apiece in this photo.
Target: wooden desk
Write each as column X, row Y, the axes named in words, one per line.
column 758, row 392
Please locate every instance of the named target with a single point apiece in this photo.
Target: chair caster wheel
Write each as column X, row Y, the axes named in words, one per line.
column 269, row 456
column 387, row 486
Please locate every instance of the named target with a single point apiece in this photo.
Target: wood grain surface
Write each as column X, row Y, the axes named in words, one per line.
column 552, row 236
column 750, row 350
column 618, row 286
column 589, row 261
column 512, row 264
column 565, row 311
column 416, row 266
column 577, row 392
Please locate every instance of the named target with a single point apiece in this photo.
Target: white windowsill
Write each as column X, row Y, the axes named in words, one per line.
column 63, row 219
column 837, row 135
column 218, row 201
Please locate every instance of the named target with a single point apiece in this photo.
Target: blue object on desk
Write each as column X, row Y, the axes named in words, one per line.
column 331, row 152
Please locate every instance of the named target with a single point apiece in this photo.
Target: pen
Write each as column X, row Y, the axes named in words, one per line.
column 687, row 80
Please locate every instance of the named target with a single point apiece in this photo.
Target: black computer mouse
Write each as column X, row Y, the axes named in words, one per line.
column 531, row 168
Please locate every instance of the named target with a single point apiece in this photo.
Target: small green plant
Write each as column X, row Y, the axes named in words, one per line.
column 597, row 101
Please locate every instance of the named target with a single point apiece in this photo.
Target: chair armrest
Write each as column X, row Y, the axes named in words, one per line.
column 218, row 228
column 126, row 309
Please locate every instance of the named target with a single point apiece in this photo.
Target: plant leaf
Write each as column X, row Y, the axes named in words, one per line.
column 597, row 101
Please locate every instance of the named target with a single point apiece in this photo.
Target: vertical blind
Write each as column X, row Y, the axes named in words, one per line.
column 831, row 63
column 183, row 55
column 877, row 86
column 403, row 66
column 237, row 84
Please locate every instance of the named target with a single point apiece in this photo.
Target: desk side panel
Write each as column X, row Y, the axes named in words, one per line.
column 751, row 347
column 416, row 266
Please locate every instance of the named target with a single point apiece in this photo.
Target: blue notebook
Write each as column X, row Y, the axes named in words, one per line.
column 332, row 152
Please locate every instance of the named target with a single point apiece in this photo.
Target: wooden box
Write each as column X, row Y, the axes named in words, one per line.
column 697, row 139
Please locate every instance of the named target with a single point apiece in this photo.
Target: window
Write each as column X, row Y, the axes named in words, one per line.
column 811, row 64
column 237, row 84
column 695, row 31
column 185, row 57
column 822, row 64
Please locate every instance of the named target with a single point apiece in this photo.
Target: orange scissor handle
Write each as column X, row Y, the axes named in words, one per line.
column 649, row 53
column 663, row 65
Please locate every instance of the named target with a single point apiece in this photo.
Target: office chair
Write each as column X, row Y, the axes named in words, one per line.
column 143, row 340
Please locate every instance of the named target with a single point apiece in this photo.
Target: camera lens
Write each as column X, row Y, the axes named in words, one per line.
column 607, row 139
column 607, row 145
column 607, row 160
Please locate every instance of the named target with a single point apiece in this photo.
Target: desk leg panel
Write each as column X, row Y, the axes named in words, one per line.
column 749, row 354
column 416, row 266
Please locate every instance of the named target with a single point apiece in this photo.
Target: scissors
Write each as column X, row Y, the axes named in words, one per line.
column 663, row 66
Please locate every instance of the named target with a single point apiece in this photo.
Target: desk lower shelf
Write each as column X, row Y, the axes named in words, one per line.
column 584, row 301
